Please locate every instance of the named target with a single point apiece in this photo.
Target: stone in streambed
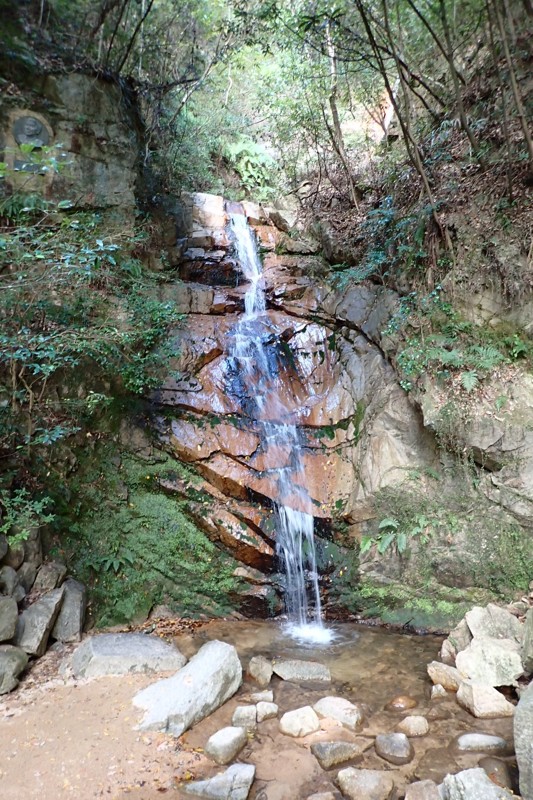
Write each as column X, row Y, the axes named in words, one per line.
column 329, row 754
column 210, row 678
column 9, row 613
column 438, row 692
column 245, row 717
column 422, row 790
column 340, row 710
column 300, row 722
column 413, row 726
column 493, row 622
column 481, row 743
column 483, row 702
column 370, row 784
column 401, row 703
column 123, row 654
column 12, row 661
column 302, row 671
column 262, row 697
column 260, row 669
column 224, row 745
column 497, row 770
column 444, row 675
column 493, row 662
column 266, row 711
column 472, row 784
column 233, row 784
column 322, row 796
column 36, row 622
column 394, row 748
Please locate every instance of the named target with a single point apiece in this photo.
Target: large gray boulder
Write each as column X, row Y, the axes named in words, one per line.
column 233, row 784
column 10, row 583
column 492, row 662
column 472, row 784
column 123, row 654
column 69, row 622
column 302, row 671
column 523, row 741
column 483, row 702
column 494, row 622
column 8, row 618
column 12, row 661
column 36, row 622
column 51, row 574
column 210, row 678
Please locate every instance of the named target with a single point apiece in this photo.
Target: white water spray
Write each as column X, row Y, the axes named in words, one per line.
column 256, row 367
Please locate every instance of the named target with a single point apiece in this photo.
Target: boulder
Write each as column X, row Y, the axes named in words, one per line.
column 527, row 650
column 459, row 638
column 12, row 661
column 224, row 745
column 493, row 662
column 266, row 711
column 413, row 726
column 302, row 671
column 245, row 717
column 233, row 784
column 51, row 574
column 36, row 622
column 14, row 556
column 472, row 784
column 370, row 784
column 27, row 573
column 69, row 623
column 523, row 741
column 340, row 710
column 3, row 545
column 422, row 790
column 493, row 622
column 123, row 654
column 329, row 754
column 300, row 722
column 481, row 743
column 443, row 674
column 260, row 669
column 8, row 618
column 483, row 702
column 394, row 748
column 10, row 583
column 33, row 548
column 210, row 678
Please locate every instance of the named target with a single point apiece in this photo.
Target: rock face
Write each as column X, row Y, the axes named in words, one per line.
column 123, row 654
column 302, row 671
column 233, row 784
column 12, row 661
column 210, row 678
column 523, row 737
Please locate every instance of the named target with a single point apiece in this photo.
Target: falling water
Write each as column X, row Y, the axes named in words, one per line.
column 254, row 374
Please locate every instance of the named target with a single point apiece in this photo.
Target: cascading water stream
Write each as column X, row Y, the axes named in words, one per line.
column 255, row 377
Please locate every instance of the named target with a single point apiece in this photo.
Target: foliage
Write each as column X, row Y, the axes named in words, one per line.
column 253, row 165
column 392, row 535
column 21, row 513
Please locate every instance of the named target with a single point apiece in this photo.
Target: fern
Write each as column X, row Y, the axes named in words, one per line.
column 469, row 380
column 484, row 357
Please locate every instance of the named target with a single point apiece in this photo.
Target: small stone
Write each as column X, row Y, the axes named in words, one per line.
column 12, row 661
column 302, row 671
column 245, row 717
column 266, row 711
column 401, row 703
column 224, row 745
column 9, row 613
column 394, row 748
column 340, row 710
column 422, row 790
column 413, row 726
column 299, row 722
column 497, row 770
column 472, row 784
column 262, row 697
column 443, row 674
column 233, row 784
column 483, row 702
column 481, row 743
column 328, row 754
column 260, row 669
column 370, row 784
column 438, row 691
column 322, row 796
column 50, row 575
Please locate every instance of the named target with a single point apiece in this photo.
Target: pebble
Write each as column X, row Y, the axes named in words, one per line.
column 481, row 743
column 394, row 748
column 401, row 703
column 413, row 726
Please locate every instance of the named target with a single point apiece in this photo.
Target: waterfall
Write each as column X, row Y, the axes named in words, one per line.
column 256, row 365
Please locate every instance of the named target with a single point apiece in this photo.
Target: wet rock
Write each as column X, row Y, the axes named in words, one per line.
column 457, row 640
column 438, row 692
column 245, row 717
column 483, row 702
column 401, row 703
column 394, row 748
column 422, row 790
column 50, row 575
column 439, row 712
column 527, row 650
column 329, row 754
column 36, row 622
column 370, row 784
column 481, row 743
column 498, row 771
column 493, row 662
column 322, row 796
column 523, row 741
column 12, row 661
column 302, row 671
column 262, row 697
column 435, row 764
column 493, row 622
column 8, row 618
column 413, row 726
column 224, row 745
column 299, row 722
column 124, row 654
column 443, row 674
column 69, row 623
column 260, row 669
column 341, row 710
column 472, row 784
column 233, row 784
column 266, row 711
column 210, row 678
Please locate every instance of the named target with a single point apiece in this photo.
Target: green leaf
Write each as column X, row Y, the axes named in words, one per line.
column 389, row 522
column 469, row 380
column 386, row 542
